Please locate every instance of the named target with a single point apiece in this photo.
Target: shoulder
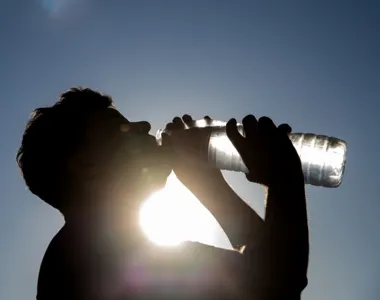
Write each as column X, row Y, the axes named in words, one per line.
column 53, row 256
column 50, row 267
column 56, row 274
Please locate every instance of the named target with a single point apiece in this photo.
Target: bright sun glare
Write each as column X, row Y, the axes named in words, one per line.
column 174, row 215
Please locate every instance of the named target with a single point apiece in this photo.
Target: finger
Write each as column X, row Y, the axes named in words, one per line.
column 166, row 142
column 170, row 127
column 208, row 120
column 233, row 134
column 187, row 118
column 177, row 121
column 250, row 127
column 285, row 128
column 266, row 126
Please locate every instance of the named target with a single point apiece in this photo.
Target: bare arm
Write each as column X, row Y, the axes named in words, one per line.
column 286, row 215
column 226, row 274
column 284, row 244
column 274, row 263
column 273, row 162
column 275, row 259
column 238, row 220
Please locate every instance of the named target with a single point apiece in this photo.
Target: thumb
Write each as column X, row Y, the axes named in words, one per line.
column 166, row 141
column 170, row 143
column 233, row 134
column 285, row 128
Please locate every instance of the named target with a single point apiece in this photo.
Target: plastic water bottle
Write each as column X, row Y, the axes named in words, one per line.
column 323, row 158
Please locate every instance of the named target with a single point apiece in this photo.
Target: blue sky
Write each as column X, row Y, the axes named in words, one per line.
column 314, row 64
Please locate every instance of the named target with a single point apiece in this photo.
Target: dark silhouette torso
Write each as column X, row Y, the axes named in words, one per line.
column 91, row 265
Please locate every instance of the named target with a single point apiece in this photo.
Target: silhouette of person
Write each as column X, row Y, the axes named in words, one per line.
column 84, row 158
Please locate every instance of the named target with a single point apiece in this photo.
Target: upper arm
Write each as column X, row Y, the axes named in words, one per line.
column 242, row 276
column 215, row 271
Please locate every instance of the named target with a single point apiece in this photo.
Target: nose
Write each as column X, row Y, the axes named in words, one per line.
column 141, row 127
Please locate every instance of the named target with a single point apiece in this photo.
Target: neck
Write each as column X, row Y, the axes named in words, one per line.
column 99, row 212
column 107, row 212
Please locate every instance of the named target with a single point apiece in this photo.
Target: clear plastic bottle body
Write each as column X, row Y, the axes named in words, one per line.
column 323, row 158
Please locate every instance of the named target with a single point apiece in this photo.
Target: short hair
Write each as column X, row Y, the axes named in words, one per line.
column 51, row 136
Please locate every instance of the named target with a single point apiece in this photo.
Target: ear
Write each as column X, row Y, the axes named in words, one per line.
column 80, row 168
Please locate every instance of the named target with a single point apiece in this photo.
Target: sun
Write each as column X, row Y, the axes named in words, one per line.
column 174, row 215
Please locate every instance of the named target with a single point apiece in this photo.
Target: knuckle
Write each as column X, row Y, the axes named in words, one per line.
column 265, row 120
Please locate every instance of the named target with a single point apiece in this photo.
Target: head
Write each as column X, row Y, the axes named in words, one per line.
column 82, row 152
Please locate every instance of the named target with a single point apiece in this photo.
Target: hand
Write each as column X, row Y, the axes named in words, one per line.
column 188, row 165
column 266, row 151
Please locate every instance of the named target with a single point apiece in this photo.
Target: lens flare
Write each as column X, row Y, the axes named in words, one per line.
column 174, row 215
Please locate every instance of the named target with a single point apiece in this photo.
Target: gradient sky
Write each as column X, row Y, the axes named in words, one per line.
column 313, row 64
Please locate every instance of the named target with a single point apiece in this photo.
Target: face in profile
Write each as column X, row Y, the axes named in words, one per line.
column 119, row 154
